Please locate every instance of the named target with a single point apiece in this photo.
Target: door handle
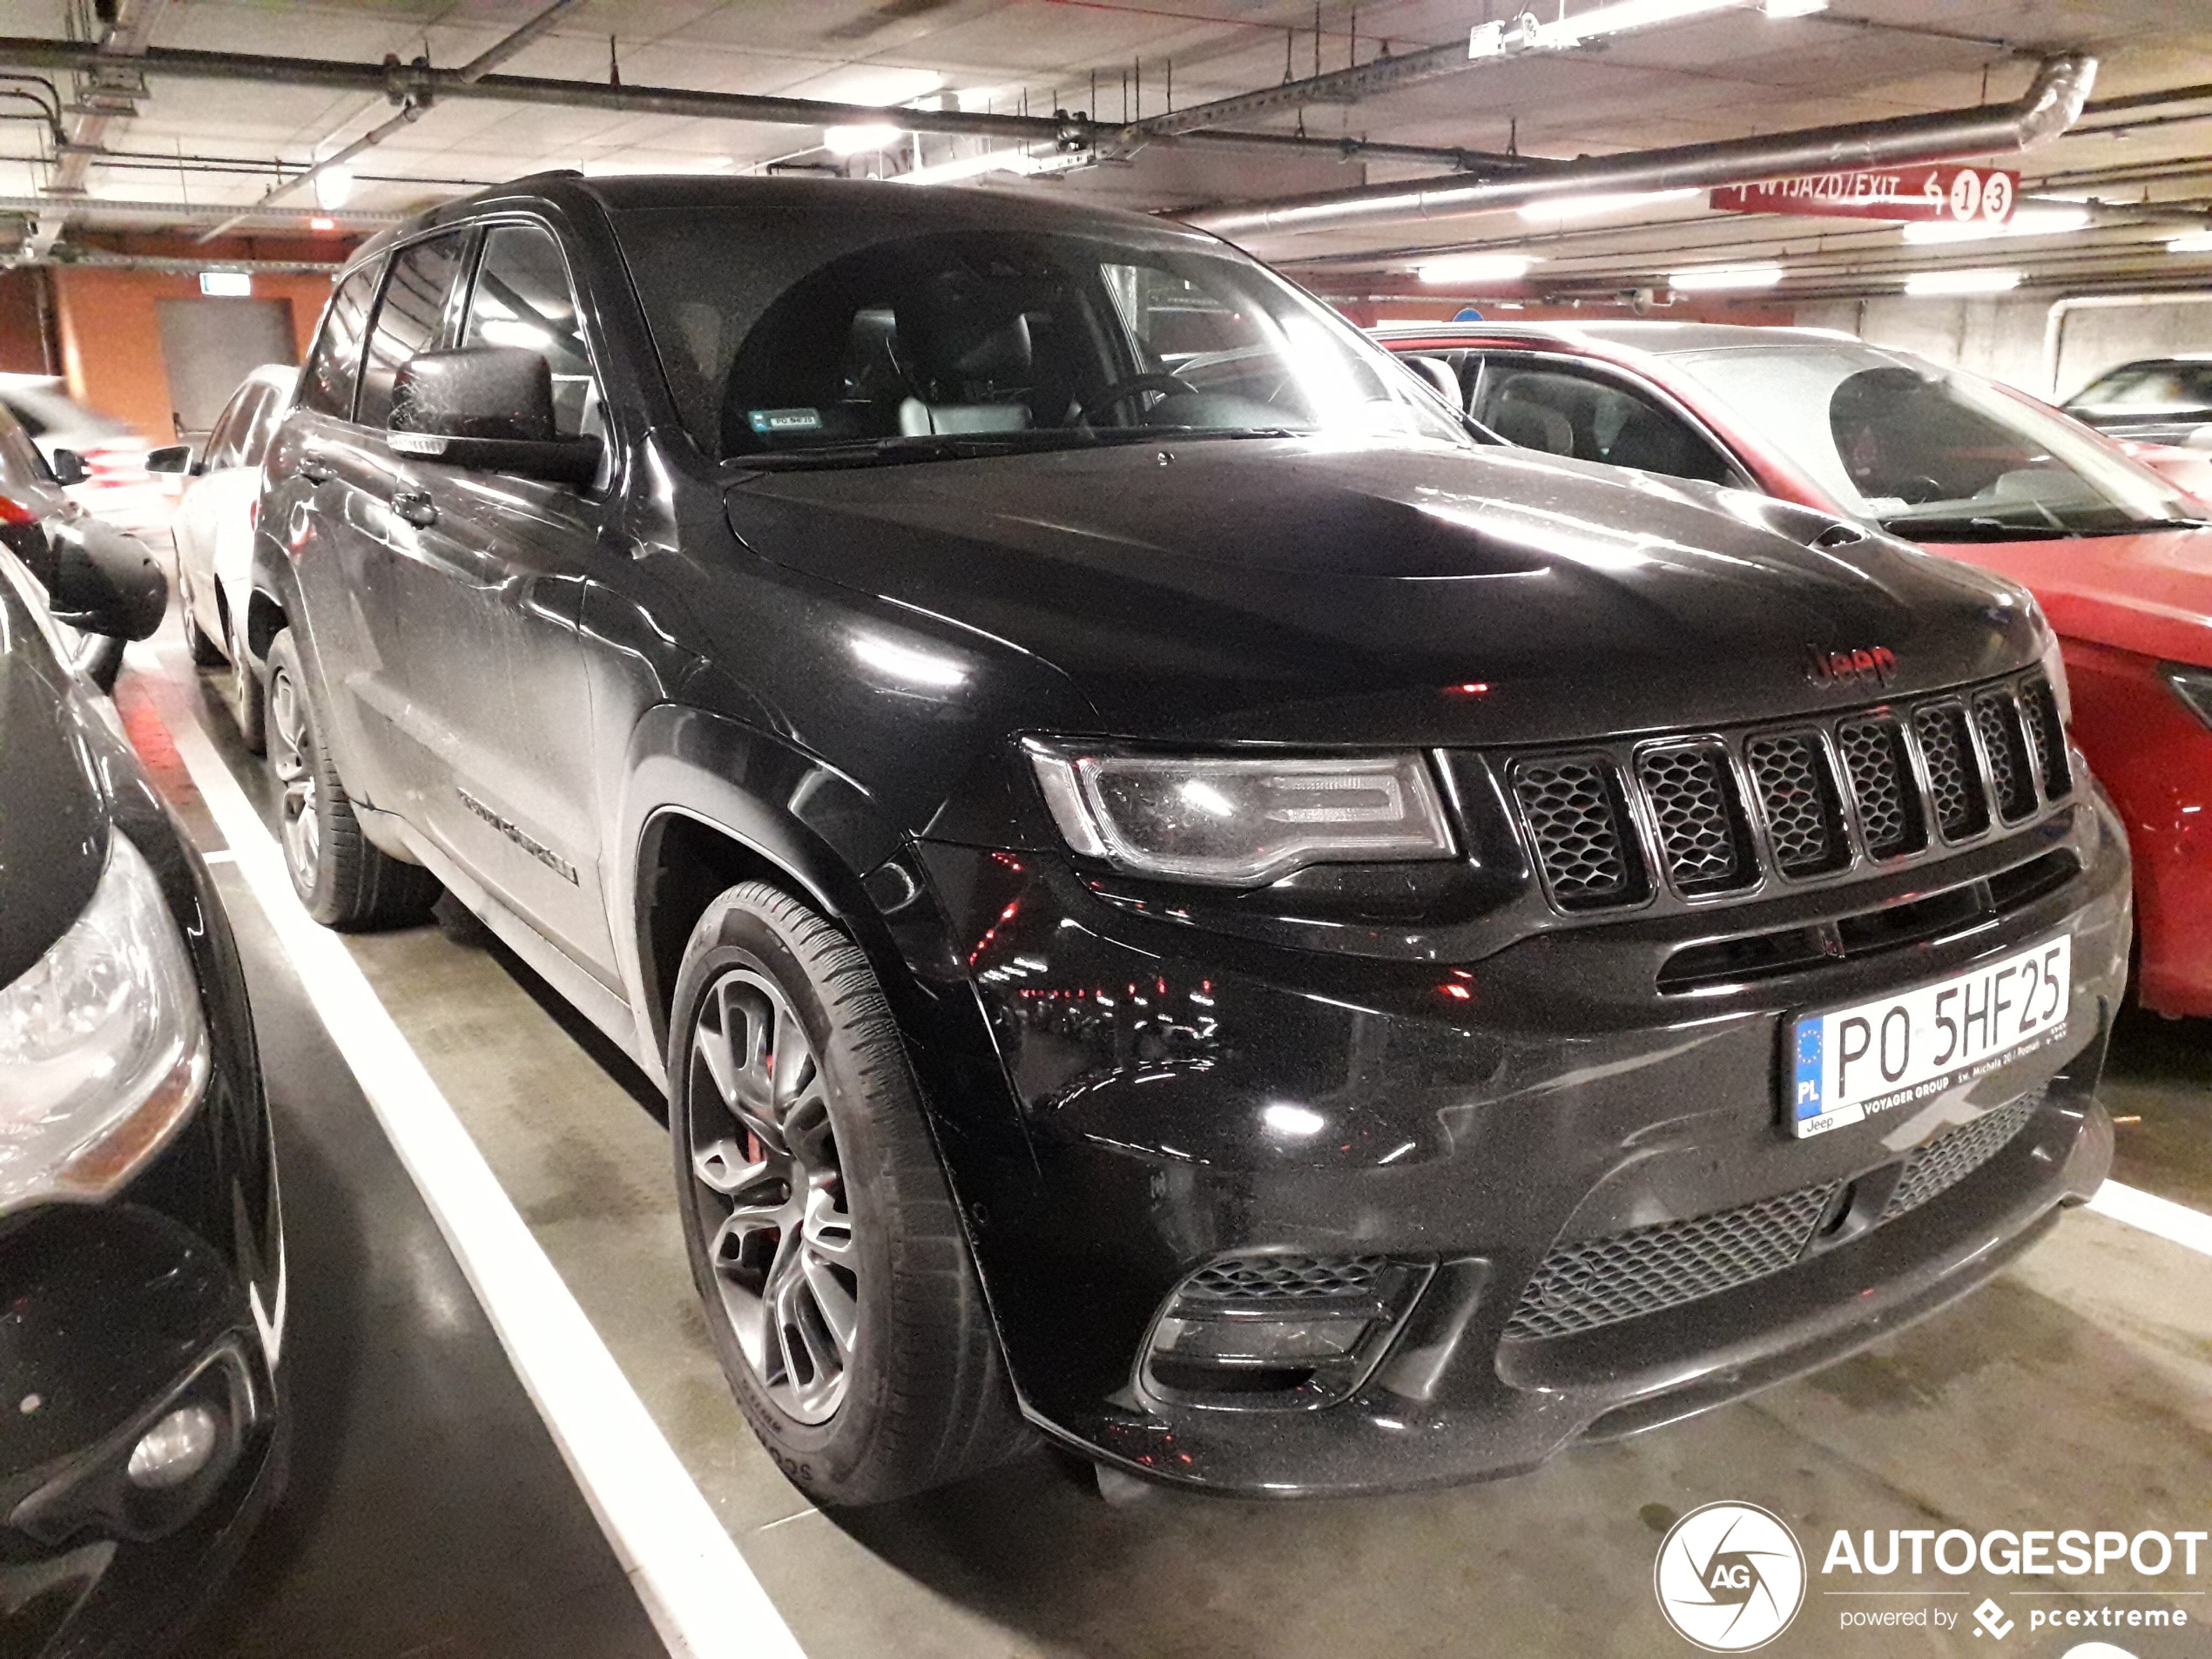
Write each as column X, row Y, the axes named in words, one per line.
column 416, row 507
column 314, row 468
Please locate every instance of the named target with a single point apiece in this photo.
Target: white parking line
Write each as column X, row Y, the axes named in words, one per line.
column 701, row 1595
column 2177, row 1223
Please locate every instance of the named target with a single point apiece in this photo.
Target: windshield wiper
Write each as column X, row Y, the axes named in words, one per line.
column 1976, row 527
column 968, row 446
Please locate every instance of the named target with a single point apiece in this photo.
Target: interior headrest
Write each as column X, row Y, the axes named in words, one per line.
column 962, row 328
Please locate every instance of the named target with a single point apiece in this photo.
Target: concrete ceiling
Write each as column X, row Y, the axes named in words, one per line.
column 193, row 143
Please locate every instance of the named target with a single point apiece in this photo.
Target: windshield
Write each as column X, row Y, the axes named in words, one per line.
column 2149, row 388
column 788, row 343
column 1930, row 453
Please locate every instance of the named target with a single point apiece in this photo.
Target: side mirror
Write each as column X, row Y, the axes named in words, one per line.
column 104, row 581
column 171, row 457
column 69, row 468
column 487, row 409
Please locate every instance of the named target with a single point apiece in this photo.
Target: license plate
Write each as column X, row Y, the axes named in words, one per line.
column 1916, row 1043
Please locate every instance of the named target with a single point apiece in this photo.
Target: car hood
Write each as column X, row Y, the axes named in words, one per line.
column 2150, row 593
column 1312, row 590
column 53, row 818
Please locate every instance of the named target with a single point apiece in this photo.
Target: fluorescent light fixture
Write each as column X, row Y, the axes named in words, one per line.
column 1713, row 277
column 1297, row 1121
column 1973, row 281
column 1556, row 208
column 1624, row 15
column 226, row 285
column 333, row 188
column 2195, row 242
column 2029, row 218
column 1526, row 33
column 1476, row 268
column 861, row 140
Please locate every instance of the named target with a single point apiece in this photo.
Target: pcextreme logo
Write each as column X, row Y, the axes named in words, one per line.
column 1730, row 1577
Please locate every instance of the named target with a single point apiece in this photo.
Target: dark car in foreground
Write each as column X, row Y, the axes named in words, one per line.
column 141, row 1256
column 1178, row 896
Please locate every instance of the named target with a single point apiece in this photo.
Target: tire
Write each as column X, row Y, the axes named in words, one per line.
column 244, row 696
column 206, row 653
column 835, row 1154
column 344, row 880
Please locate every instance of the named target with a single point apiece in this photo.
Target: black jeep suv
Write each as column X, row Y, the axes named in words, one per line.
column 1178, row 897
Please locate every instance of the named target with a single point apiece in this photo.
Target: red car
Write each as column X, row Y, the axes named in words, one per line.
column 2120, row 558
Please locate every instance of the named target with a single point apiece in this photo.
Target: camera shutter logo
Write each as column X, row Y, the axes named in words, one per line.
column 1730, row 1577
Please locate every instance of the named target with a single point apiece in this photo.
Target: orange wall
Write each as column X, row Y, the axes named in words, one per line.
column 111, row 344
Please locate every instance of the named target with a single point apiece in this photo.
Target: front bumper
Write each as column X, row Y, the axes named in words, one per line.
column 1180, row 1097
column 168, row 1297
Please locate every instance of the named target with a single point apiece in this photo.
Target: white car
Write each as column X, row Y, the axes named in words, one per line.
column 117, row 486
column 214, row 528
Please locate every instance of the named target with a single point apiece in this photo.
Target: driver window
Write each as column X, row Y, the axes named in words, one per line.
column 409, row 318
column 522, row 298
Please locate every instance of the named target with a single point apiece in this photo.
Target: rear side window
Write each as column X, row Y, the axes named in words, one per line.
column 410, row 317
column 1567, row 413
column 228, row 439
column 253, row 446
column 523, row 299
column 333, row 366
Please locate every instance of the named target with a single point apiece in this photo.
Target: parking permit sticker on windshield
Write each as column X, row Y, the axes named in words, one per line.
column 769, row 421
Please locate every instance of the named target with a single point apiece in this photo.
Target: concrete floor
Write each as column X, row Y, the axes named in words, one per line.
column 2075, row 1391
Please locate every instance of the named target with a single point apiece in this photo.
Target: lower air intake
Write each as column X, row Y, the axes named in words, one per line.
column 1584, row 1284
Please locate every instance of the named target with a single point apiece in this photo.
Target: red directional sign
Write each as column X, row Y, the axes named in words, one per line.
column 1959, row 194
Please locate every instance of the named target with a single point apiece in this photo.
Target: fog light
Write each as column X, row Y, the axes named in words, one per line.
column 174, row 1449
column 1274, row 1328
column 1259, row 1340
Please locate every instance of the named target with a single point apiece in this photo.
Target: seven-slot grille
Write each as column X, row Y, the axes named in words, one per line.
column 1713, row 814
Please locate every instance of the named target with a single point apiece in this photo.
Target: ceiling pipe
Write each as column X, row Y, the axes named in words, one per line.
column 201, row 213
column 2051, row 104
column 96, row 260
column 125, row 38
column 410, row 110
column 397, row 81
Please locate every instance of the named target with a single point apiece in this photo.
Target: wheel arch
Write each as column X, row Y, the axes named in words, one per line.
column 693, row 832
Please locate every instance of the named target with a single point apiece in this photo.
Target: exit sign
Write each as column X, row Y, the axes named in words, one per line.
column 1981, row 195
column 226, row 285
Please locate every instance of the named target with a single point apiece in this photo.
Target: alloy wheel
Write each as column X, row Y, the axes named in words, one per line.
column 291, row 757
column 771, row 1204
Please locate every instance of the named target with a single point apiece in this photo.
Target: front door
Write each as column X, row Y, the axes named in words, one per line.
column 481, row 631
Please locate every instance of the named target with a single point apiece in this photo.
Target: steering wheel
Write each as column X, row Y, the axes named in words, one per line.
column 1135, row 386
column 1919, row 489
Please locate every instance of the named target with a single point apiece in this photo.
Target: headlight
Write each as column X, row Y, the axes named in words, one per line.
column 103, row 1048
column 2193, row 687
column 1240, row 822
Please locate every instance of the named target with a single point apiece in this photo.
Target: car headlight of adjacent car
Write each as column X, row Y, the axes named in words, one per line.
column 2192, row 685
column 1237, row 821
column 104, row 1050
